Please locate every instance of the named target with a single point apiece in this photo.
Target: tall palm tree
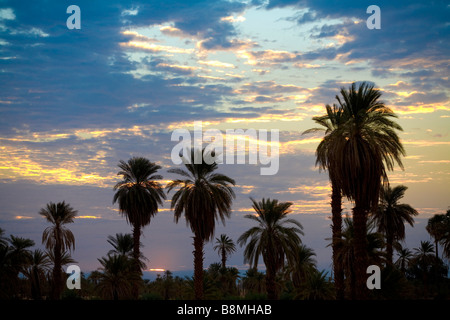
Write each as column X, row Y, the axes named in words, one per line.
column 204, row 196
column 330, row 122
column 370, row 146
column 391, row 216
column 276, row 238
column 57, row 238
column 224, row 246
column 139, row 196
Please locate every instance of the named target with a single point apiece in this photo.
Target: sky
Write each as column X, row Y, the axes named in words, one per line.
column 74, row 102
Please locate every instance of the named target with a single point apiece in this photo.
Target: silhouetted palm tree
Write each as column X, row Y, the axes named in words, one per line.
column 37, row 271
column 404, row 257
column 391, row 216
column 57, row 238
column 446, row 239
column 438, row 227
column 317, row 287
column 123, row 244
column 346, row 254
column 276, row 238
column 117, row 277
column 254, row 281
column 224, row 246
column 204, row 197
column 325, row 154
column 369, row 146
column 302, row 266
column 139, row 196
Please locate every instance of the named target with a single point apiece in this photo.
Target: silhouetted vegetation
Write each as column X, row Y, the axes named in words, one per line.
column 359, row 147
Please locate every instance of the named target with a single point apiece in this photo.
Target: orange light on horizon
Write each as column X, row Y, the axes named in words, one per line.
column 157, row 269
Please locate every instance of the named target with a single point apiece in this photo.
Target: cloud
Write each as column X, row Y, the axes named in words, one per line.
column 7, row 14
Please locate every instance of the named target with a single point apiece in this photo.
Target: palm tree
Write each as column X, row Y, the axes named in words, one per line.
column 303, row 265
column 204, row 196
column 391, row 216
column 317, row 287
column 36, row 272
column 446, row 239
column 404, row 257
column 346, row 255
column 423, row 261
column 14, row 259
column 329, row 123
column 368, row 146
column 57, row 238
column 118, row 275
column 138, row 196
column 123, row 244
column 224, row 246
column 438, row 227
column 275, row 238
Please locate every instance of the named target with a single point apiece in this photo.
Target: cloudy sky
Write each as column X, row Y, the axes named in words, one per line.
column 75, row 102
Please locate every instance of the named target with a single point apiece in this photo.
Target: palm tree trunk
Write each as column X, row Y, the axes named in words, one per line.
column 136, row 255
column 57, row 276
column 198, row 267
column 270, row 283
column 336, row 213
column 360, row 246
column 224, row 258
column 389, row 248
column 436, row 245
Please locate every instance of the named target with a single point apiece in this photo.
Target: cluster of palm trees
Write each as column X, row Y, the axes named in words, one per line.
column 359, row 147
column 17, row 259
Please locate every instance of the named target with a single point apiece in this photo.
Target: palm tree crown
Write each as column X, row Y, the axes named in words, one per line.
column 391, row 216
column 138, row 194
column 204, row 196
column 58, row 214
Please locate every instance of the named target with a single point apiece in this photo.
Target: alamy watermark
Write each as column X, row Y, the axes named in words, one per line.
column 374, row 280
column 374, row 21
column 74, row 279
column 249, row 146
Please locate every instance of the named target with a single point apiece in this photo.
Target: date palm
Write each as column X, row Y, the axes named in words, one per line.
column 139, row 196
column 224, row 246
column 303, row 265
column 115, row 282
column 404, row 258
column 275, row 238
column 391, row 216
column 330, row 122
column 370, row 146
column 37, row 271
column 438, row 227
column 58, row 239
column 346, row 255
column 204, row 196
